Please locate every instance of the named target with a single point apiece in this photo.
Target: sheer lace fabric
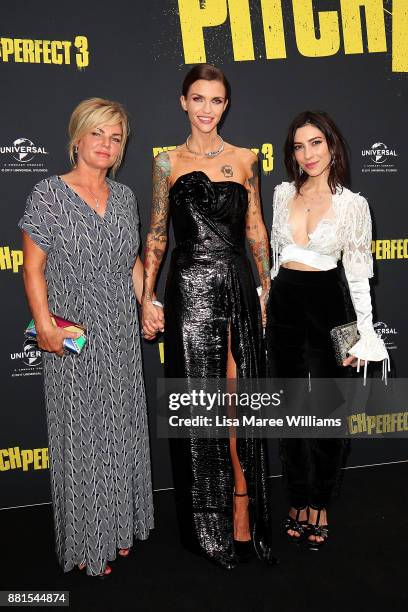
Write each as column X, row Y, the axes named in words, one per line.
column 345, row 230
column 343, row 233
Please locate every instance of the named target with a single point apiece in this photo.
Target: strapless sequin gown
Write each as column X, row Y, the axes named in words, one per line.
column 211, row 293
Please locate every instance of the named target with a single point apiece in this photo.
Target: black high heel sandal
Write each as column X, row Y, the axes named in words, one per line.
column 257, row 544
column 293, row 524
column 244, row 550
column 317, row 530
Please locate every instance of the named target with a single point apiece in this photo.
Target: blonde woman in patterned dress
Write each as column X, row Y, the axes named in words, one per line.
column 81, row 243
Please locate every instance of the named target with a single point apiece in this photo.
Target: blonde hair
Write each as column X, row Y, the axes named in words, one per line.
column 92, row 113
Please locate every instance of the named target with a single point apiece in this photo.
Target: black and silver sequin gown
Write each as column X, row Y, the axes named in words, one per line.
column 211, row 293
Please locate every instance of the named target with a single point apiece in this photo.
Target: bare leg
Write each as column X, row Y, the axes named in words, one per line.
column 241, row 516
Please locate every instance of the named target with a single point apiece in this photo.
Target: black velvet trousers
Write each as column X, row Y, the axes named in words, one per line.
column 302, row 309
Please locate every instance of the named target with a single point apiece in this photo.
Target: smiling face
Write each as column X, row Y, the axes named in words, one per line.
column 101, row 147
column 311, row 151
column 205, row 103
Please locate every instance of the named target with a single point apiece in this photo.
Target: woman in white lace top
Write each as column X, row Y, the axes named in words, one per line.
column 316, row 222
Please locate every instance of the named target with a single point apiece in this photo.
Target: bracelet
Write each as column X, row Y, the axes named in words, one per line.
column 157, row 303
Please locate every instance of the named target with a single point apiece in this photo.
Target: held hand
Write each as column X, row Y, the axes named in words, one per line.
column 160, row 315
column 152, row 320
column 351, row 360
column 52, row 339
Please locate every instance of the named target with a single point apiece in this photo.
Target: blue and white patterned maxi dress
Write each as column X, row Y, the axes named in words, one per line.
column 95, row 401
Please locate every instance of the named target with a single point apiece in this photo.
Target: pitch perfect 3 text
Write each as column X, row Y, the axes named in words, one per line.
column 318, row 33
column 58, row 52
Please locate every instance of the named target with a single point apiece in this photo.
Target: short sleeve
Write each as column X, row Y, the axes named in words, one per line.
column 133, row 207
column 38, row 219
column 357, row 257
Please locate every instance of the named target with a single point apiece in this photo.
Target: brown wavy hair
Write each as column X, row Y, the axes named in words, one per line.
column 339, row 175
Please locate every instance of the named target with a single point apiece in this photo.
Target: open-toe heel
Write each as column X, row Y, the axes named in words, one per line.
column 108, row 570
column 258, row 543
column 317, row 530
column 294, row 524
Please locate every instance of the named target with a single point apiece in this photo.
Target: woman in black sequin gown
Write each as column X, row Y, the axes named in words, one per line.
column 213, row 317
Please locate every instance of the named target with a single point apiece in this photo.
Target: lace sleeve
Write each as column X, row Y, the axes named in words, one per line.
column 274, row 232
column 357, row 257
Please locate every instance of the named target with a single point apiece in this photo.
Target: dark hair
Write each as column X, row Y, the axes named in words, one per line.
column 207, row 73
column 339, row 169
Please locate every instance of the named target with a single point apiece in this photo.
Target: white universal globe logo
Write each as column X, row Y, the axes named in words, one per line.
column 379, row 148
column 32, row 354
column 24, row 150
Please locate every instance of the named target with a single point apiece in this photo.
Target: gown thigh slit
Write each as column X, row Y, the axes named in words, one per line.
column 210, row 303
column 238, row 473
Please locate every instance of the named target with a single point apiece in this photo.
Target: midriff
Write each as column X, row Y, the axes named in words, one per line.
column 297, row 265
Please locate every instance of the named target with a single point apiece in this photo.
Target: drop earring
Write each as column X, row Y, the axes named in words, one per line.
column 300, row 171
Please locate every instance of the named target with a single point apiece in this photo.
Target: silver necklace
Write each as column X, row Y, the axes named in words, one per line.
column 308, row 206
column 210, row 153
column 94, row 197
column 302, row 196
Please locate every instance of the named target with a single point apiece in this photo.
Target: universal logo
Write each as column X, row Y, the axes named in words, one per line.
column 387, row 334
column 379, row 158
column 29, row 360
column 23, row 156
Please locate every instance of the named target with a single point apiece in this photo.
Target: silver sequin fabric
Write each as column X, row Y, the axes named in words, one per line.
column 211, row 296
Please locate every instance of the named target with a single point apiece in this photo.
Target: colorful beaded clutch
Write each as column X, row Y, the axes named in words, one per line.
column 73, row 345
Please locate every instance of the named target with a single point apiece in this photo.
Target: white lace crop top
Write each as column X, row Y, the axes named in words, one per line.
column 345, row 229
column 344, row 233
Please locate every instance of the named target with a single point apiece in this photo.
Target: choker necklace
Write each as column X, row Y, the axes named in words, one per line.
column 210, row 153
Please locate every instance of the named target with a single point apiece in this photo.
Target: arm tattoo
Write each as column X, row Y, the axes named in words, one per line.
column 261, row 256
column 161, row 171
column 253, row 179
column 156, row 241
column 255, row 229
